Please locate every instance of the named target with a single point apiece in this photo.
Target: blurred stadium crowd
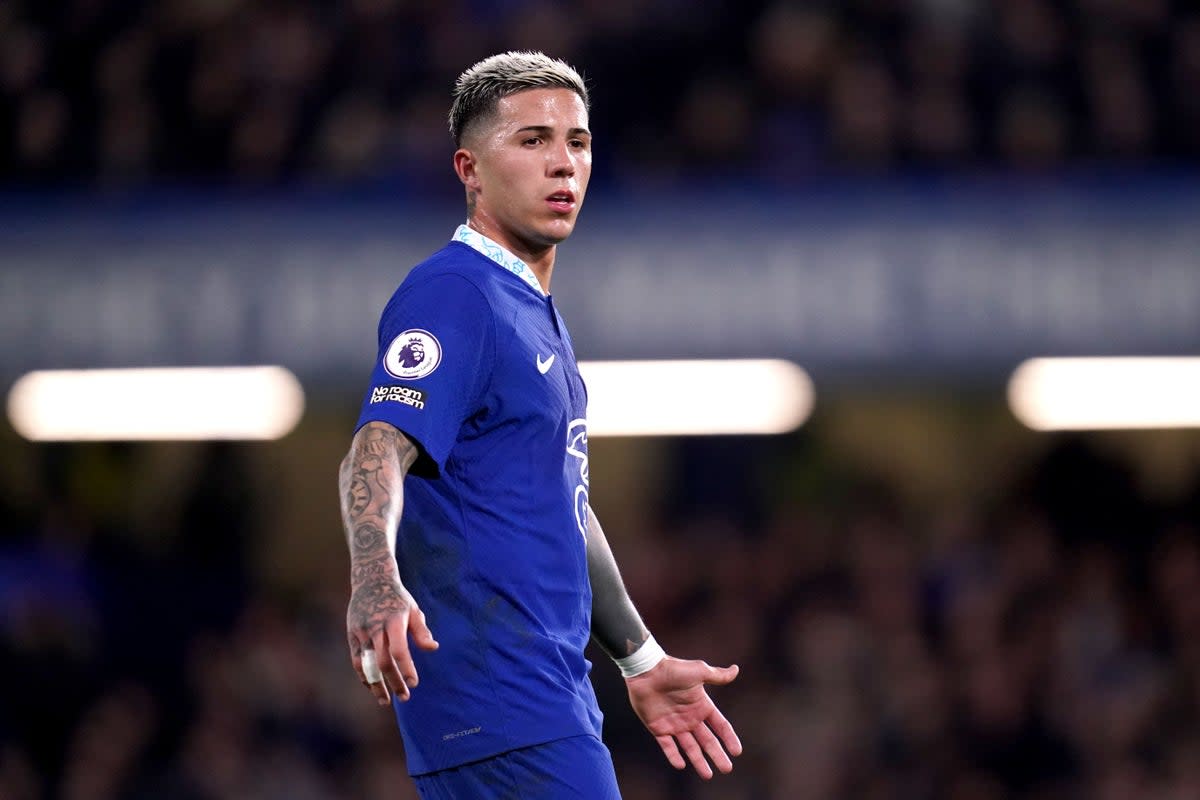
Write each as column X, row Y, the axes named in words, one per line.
column 124, row 93
column 1041, row 644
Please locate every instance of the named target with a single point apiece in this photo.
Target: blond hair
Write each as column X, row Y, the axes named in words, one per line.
column 480, row 88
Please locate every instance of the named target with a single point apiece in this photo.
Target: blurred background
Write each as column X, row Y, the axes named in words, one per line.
column 907, row 197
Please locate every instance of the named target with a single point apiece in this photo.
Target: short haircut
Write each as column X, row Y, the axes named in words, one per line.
column 480, row 88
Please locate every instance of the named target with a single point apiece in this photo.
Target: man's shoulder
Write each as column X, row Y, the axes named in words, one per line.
column 457, row 261
column 454, row 259
column 452, row 279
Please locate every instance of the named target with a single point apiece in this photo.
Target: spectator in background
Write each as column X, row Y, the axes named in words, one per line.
column 132, row 93
column 914, row 651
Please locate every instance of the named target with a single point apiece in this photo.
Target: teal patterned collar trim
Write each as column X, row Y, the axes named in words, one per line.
column 477, row 241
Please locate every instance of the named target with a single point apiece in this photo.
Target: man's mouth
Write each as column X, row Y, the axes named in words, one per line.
column 562, row 200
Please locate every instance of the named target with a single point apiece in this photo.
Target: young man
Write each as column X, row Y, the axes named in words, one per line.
column 465, row 491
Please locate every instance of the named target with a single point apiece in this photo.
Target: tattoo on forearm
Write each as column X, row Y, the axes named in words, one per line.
column 368, row 538
column 357, row 497
column 371, row 480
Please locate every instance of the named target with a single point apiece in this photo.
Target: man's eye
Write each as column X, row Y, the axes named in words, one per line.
column 534, row 140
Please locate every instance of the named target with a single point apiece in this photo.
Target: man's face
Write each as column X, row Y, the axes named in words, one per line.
column 533, row 159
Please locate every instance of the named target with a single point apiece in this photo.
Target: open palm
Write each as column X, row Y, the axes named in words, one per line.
column 674, row 706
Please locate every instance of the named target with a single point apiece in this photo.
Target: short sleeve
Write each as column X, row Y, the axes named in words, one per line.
column 436, row 350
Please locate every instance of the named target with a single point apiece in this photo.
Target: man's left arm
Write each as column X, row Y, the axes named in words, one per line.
column 666, row 693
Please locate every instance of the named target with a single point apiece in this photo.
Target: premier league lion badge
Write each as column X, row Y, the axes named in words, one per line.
column 413, row 354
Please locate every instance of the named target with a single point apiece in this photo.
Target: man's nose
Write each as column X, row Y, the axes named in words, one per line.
column 559, row 161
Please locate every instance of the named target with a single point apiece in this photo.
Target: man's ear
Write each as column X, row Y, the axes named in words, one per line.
column 465, row 168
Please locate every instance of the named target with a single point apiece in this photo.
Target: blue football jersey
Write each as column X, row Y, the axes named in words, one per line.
column 476, row 366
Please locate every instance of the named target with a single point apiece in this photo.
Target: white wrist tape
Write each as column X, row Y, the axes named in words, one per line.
column 644, row 659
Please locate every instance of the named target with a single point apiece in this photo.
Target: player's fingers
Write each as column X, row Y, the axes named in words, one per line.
column 372, row 677
column 688, row 744
column 355, row 654
column 392, row 651
column 373, row 684
column 397, row 631
column 671, row 751
column 712, row 748
column 362, row 657
column 725, row 732
column 719, row 676
column 422, row 636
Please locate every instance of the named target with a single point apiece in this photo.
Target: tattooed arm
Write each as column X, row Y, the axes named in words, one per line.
column 382, row 613
column 669, row 698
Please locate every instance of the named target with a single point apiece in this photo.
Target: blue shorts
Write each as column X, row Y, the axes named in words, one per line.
column 576, row 768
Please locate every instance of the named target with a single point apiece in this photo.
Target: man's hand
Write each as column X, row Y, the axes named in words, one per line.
column 381, row 616
column 672, row 703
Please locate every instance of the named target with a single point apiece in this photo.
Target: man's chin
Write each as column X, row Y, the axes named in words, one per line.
column 557, row 231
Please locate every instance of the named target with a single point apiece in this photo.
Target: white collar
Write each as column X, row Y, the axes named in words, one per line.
column 498, row 254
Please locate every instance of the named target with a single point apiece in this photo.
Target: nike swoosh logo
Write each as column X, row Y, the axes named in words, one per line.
column 544, row 366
